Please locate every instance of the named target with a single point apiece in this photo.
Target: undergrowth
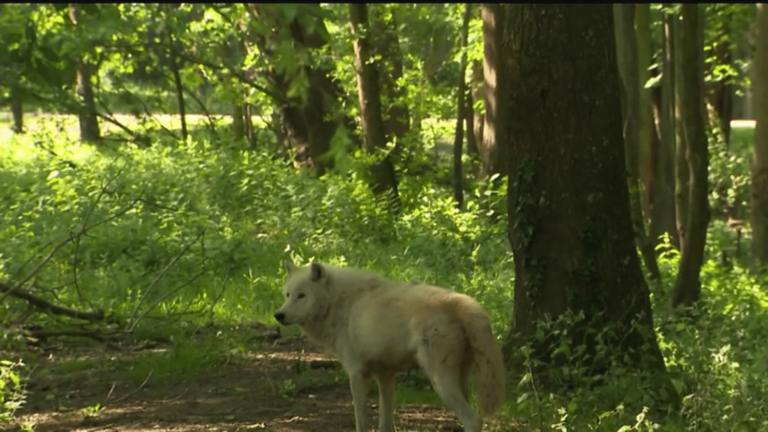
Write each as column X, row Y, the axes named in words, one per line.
column 188, row 234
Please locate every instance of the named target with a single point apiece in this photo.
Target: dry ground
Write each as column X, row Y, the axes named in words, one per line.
column 287, row 387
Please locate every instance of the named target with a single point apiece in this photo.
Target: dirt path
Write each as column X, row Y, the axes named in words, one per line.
column 288, row 387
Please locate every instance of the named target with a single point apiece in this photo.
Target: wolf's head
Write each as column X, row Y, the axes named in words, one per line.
column 305, row 293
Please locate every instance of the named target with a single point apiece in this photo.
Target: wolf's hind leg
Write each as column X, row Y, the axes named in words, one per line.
column 386, row 382
column 447, row 381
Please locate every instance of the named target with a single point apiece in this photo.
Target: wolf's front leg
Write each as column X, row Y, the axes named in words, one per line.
column 359, row 386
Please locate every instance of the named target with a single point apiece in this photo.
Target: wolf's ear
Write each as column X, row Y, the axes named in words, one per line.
column 317, row 272
column 290, row 267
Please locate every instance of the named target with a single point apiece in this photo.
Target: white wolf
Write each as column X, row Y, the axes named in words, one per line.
column 378, row 327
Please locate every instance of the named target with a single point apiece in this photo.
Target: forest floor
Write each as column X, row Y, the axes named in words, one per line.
column 283, row 386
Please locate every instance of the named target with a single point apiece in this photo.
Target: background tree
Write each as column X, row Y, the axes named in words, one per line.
column 383, row 180
column 635, row 136
column 86, row 112
column 688, row 283
column 760, row 154
column 571, row 232
column 461, row 96
column 663, row 219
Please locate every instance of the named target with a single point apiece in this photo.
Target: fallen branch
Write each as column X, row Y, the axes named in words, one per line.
column 45, row 334
column 44, row 304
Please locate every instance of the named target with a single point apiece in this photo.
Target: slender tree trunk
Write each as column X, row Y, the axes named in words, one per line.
column 174, row 64
column 688, row 284
column 760, row 152
column 250, row 131
column 681, row 163
column 571, row 233
column 477, row 93
column 17, row 109
column 647, row 127
column 89, row 121
column 458, row 139
column 238, row 125
column 383, row 181
column 663, row 220
column 386, row 45
column 627, row 54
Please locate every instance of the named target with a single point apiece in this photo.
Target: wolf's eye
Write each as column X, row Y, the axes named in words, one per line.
column 301, row 295
column 287, row 295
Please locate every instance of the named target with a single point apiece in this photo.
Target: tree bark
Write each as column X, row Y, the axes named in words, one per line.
column 627, row 54
column 383, row 180
column 568, row 202
column 494, row 159
column 663, row 220
column 87, row 116
column 760, row 152
column 688, row 284
column 458, row 138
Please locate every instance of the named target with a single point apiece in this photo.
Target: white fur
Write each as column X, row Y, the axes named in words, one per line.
column 378, row 327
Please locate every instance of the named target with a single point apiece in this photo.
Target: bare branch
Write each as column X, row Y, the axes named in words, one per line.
column 158, row 277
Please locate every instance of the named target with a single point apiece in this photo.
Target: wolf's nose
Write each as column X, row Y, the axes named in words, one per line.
column 279, row 316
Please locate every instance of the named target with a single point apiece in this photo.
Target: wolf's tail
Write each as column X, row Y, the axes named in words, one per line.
column 491, row 373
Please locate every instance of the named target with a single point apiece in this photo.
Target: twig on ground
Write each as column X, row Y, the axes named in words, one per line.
column 157, row 279
column 135, row 391
column 106, row 399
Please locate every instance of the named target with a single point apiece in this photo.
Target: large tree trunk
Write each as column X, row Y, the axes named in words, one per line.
column 383, row 180
column 688, row 284
column 494, row 158
column 760, row 154
column 570, row 225
column 458, row 138
column 86, row 113
column 663, row 220
column 624, row 17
